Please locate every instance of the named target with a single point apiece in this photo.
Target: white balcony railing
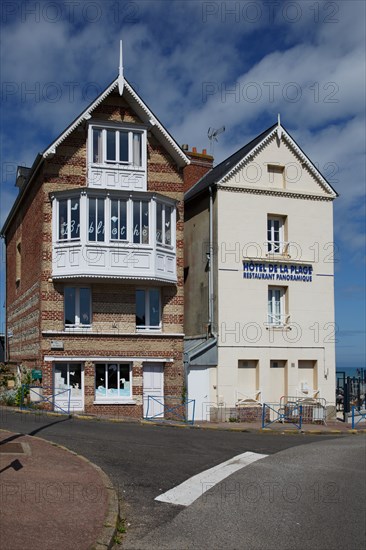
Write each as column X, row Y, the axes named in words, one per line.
column 113, row 260
column 278, row 320
column 278, row 248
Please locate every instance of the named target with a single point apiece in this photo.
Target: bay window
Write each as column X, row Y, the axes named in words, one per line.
column 77, row 307
column 276, row 306
column 111, row 218
column 112, row 381
column 148, row 309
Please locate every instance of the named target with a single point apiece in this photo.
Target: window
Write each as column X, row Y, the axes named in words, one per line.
column 77, row 307
column 69, row 219
column 108, row 218
column 118, row 220
column 18, row 263
column 278, row 364
column 112, row 381
column 276, row 306
column 115, row 146
column 275, row 235
column 148, row 308
column 140, row 222
column 164, row 224
column 96, row 231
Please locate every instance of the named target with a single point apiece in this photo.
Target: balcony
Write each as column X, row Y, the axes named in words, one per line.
column 90, row 260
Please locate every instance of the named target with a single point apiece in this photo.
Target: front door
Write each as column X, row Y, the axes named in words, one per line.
column 68, row 376
column 153, row 388
column 198, row 389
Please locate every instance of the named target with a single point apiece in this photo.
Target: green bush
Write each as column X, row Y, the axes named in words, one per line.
column 9, row 397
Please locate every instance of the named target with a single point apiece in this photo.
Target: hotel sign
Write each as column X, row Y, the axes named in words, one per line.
column 277, row 271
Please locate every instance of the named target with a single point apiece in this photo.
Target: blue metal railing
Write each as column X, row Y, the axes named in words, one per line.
column 282, row 413
column 179, row 410
column 50, row 398
column 361, row 415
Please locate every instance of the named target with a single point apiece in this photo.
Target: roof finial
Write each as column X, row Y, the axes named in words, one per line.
column 279, row 127
column 120, row 74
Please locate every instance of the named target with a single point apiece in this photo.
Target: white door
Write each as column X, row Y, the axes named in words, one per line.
column 154, row 388
column 68, row 376
column 199, row 390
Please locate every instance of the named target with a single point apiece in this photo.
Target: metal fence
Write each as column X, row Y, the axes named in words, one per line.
column 170, row 408
column 295, row 410
column 358, row 416
column 35, row 396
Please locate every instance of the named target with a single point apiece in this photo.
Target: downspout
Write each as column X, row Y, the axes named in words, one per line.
column 211, row 313
column 210, row 271
column 6, row 341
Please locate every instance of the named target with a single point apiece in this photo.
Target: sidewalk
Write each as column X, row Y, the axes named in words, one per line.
column 52, row 498
column 331, row 428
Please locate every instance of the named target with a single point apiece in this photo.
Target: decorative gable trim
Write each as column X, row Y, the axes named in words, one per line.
column 85, row 115
column 285, row 136
column 275, row 192
column 157, row 127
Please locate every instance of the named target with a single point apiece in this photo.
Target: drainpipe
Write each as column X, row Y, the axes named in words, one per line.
column 211, row 314
column 6, row 339
column 210, row 271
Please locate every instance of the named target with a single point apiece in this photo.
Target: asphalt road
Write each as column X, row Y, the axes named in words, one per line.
column 304, row 498
column 145, row 461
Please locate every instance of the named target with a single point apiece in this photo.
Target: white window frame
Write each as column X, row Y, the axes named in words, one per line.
column 68, row 200
column 148, row 326
column 276, row 247
column 78, row 325
column 103, row 198
column 113, row 398
column 274, row 319
column 107, row 197
column 162, row 242
column 130, row 129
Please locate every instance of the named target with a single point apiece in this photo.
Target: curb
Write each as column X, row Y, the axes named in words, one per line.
column 229, row 428
column 109, row 530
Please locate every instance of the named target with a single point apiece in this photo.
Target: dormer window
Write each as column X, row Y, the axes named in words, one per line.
column 113, row 146
column 117, row 156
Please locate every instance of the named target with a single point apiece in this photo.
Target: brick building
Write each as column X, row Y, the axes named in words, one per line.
column 94, row 252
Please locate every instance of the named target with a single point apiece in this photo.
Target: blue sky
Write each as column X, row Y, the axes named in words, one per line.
column 200, row 65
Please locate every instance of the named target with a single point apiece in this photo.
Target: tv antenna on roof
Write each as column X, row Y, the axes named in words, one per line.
column 212, row 136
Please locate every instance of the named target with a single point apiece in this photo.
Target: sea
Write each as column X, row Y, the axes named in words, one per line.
column 352, row 371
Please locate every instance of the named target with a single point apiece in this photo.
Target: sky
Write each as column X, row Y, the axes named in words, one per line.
column 201, row 65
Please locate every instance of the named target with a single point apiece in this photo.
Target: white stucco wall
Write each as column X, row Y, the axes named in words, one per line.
column 242, row 303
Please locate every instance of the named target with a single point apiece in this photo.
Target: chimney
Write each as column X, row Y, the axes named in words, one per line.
column 201, row 163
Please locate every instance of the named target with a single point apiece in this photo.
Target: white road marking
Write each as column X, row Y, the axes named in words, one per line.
column 194, row 487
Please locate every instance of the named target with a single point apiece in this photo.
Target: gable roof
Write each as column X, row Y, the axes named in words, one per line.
column 223, row 171
column 142, row 110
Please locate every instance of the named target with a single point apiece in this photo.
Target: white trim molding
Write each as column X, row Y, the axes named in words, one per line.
column 83, row 359
column 286, row 137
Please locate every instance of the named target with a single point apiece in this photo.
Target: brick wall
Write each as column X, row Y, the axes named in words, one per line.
column 37, row 305
column 201, row 163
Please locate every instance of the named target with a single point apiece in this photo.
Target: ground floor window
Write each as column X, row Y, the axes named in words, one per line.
column 112, row 381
